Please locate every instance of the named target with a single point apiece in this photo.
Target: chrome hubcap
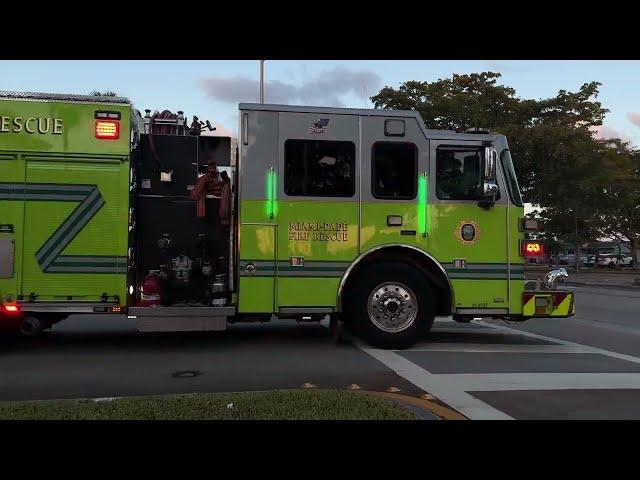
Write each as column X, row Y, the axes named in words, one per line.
column 392, row 307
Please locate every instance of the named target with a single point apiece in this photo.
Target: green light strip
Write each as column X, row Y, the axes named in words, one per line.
column 424, row 214
column 426, row 204
column 274, row 194
column 268, row 192
column 271, row 206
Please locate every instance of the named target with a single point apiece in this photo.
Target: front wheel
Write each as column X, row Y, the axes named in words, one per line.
column 391, row 305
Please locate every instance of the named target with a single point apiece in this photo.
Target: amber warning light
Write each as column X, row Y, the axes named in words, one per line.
column 531, row 248
column 108, row 129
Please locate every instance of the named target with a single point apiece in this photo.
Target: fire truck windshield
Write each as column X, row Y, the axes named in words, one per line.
column 512, row 181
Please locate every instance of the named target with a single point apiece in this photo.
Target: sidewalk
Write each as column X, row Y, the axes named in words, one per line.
column 589, row 277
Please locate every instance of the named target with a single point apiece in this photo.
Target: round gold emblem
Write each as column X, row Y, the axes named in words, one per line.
column 468, row 232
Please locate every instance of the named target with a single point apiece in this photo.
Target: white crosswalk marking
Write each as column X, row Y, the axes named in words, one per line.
column 454, row 388
column 441, row 388
column 588, row 349
column 492, row 382
column 493, row 348
column 437, row 329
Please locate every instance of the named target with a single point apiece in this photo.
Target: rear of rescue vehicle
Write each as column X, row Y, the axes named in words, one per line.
column 64, row 201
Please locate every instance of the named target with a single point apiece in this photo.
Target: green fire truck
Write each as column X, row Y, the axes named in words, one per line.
column 364, row 216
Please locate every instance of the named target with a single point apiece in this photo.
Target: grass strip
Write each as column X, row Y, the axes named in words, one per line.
column 271, row 405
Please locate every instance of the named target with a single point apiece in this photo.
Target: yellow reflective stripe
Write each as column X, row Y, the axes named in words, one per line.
column 529, row 308
column 562, row 310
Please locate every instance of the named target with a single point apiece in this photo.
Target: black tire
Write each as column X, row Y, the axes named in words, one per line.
column 39, row 324
column 32, row 325
column 371, row 280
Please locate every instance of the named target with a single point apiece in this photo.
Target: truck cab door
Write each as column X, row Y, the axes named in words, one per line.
column 395, row 161
column 470, row 240
column 317, row 208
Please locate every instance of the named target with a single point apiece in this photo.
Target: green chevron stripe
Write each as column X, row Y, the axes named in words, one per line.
column 69, row 229
column 87, row 264
column 58, row 235
column 49, row 254
column 80, row 259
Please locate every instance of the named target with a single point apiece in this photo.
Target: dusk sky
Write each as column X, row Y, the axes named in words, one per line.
column 211, row 89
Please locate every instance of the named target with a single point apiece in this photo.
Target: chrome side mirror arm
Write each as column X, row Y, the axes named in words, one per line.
column 551, row 279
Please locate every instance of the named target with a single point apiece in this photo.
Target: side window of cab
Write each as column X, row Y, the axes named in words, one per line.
column 394, row 168
column 459, row 173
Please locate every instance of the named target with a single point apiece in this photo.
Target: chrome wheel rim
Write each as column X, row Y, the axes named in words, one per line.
column 392, row 307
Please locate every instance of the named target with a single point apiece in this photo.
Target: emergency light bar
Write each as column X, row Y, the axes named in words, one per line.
column 108, row 129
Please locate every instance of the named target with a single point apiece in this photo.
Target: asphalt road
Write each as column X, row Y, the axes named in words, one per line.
column 105, row 356
column 584, row 367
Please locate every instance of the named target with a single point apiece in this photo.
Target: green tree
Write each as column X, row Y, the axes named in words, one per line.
column 533, row 127
column 621, row 213
column 555, row 155
column 458, row 103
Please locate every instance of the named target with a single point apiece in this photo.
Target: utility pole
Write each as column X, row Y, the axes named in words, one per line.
column 261, row 81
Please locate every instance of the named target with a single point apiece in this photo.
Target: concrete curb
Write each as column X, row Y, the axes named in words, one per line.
column 425, row 409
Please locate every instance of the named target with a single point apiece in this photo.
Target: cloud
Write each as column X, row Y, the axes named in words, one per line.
column 603, row 132
column 324, row 89
column 634, row 118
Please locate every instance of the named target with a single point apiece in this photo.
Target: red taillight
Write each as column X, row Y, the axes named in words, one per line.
column 108, row 129
column 11, row 309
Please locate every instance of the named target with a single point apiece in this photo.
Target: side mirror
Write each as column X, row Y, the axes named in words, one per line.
column 490, row 189
column 489, row 185
column 489, row 192
column 490, row 164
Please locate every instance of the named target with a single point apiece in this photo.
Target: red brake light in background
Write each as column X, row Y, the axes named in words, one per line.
column 531, row 248
column 108, row 129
